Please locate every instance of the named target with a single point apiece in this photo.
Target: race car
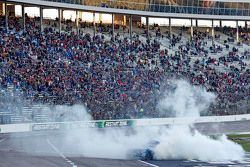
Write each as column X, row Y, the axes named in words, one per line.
column 145, row 153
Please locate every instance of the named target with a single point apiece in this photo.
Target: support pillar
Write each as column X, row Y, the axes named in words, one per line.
column 41, row 19
column 147, row 26
column 113, row 25
column 94, row 24
column 59, row 20
column 170, row 28
column 213, row 35
column 221, row 24
column 6, row 16
column 192, row 30
column 62, row 15
column 77, row 23
column 100, row 18
column 246, row 26
column 131, row 27
column 3, row 9
column 237, row 31
column 23, row 17
column 124, row 20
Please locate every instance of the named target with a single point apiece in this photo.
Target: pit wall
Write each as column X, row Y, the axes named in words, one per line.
column 29, row 127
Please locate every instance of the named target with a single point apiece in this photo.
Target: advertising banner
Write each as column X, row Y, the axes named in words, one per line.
column 118, row 123
column 46, row 126
column 79, row 125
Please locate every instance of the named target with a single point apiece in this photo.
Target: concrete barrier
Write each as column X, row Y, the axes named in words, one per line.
column 12, row 128
column 188, row 120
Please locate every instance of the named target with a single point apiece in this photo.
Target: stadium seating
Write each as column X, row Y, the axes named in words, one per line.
column 115, row 77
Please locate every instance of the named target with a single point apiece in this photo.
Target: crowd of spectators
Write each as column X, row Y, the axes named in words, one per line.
column 116, row 77
column 232, row 32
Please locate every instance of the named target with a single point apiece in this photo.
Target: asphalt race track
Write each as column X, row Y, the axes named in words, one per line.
column 45, row 150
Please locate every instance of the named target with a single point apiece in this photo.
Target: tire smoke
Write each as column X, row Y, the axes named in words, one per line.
column 176, row 142
column 179, row 141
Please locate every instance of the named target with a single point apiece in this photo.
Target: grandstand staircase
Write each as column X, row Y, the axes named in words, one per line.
column 12, row 115
column 26, row 112
column 14, row 118
column 35, row 113
column 40, row 113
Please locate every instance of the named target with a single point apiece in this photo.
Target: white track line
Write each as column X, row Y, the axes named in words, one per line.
column 147, row 163
column 60, row 153
column 222, row 162
column 2, row 140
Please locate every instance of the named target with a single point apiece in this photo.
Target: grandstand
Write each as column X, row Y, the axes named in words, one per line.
column 118, row 69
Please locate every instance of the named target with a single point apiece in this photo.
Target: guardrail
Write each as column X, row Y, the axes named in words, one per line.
column 29, row 127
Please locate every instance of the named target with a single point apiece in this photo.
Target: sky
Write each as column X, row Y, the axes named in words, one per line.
column 107, row 18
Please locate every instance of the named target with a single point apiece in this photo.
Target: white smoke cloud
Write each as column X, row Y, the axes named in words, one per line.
column 185, row 100
column 70, row 113
column 177, row 142
column 181, row 143
column 110, row 143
